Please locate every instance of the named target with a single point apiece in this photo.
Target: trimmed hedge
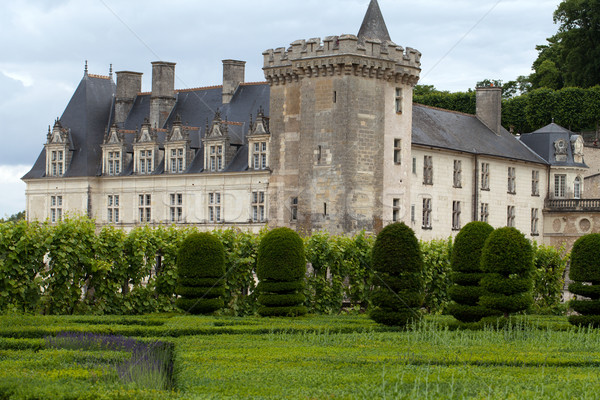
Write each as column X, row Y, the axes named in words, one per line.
column 201, row 269
column 466, row 264
column 508, row 256
column 585, row 268
column 398, row 262
column 281, row 269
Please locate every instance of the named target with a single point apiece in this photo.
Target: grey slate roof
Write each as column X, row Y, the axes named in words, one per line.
column 542, row 142
column 87, row 116
column 373, row 25
column 444, row 129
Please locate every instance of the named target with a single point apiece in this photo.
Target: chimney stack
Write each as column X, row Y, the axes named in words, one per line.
column 489, row 107
column 129, row 84
column 233, row 75
column 162, row 99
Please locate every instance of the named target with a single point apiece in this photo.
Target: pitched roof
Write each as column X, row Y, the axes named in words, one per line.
column 434, row 127
column 87, row 115
column 373, row 25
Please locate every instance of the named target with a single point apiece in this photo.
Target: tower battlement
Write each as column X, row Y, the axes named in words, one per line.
column 342, row 55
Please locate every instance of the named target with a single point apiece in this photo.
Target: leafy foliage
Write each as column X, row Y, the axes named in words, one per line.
column 437, row 272
column 281, row 259
column 398, row 262
column 585, row 272
column 548, row 278
column 507, row 257
column 466, row 264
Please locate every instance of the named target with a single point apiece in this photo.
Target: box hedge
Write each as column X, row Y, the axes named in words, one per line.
column 398, row 263
column 281, row 269
column 585, row 272
column 201, row 272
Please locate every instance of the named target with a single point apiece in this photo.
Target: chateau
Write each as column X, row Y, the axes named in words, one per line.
column 331, row 141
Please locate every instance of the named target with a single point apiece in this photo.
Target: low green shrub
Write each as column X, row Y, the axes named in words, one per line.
column 585, row 272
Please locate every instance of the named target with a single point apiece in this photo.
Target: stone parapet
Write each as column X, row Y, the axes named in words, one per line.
column 342, row 55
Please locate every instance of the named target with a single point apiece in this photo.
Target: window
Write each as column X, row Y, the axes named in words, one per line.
column 412, row 213
column 559, row 185
column 57, row 163
column 145, row 163
column 414, row 165
column 398, row 100
column 577, row 188
column 485, row 176
column 535, row 183
column 426, row 213
column 258, row 206
column 113, row 208
column 428, row 170
column 176, row 208
column 177, row 161
column 534, row 222
column 456, row 215
column 259, row 155
column 510, row 216
column 395, row 210
column 214, row 207
column 485, row 212
column 114, row 163
column 457, row 173
column 216, row 158
column 511, row 180
column 55, row 208
column 397, row 151
column 145, row 208
column 294, row 209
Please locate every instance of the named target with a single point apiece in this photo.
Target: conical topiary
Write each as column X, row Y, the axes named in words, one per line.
column 585, row 272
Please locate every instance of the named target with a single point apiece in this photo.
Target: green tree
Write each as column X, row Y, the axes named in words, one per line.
column 572, row 55
column 540, row 108
column 585, row 273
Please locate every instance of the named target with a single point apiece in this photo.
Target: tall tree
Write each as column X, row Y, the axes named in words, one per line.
column 572, row 56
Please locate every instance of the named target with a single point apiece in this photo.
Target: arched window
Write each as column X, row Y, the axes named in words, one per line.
column 577, row 188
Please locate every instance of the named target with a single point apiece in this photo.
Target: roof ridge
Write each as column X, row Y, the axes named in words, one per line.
column 446, row 110
column 198, row 88
column 99, row 76
column 253, row 83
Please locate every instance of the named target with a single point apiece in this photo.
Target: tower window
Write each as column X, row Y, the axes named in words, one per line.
column 398, row 100
column 294, row 209
column 397, row 151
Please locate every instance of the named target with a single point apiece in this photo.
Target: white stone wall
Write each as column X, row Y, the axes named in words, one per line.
column 443, row 193
column 235, row 188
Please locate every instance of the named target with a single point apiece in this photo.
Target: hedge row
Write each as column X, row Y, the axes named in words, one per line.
column 71, row 268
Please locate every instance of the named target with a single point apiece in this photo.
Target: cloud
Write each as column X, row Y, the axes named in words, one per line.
column 12, row 188
column 26, row 80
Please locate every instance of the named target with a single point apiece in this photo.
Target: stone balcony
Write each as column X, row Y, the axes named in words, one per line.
column 572, row 205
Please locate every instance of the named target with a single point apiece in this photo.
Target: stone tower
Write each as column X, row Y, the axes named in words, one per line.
column 339, row 109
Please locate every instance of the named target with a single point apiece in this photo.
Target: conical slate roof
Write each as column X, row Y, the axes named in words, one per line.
column 373, row 26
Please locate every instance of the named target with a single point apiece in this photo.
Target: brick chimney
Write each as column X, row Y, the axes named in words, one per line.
column 129, row 84
column 489, row 107
column 162, row 99
column 233, row 75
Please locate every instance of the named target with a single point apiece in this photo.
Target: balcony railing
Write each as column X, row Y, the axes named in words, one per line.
column 573, row 205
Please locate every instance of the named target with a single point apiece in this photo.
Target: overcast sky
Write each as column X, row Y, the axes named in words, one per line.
column 44, row 45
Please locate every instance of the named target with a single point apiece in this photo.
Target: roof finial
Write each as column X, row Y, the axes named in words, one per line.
column 85, row 71
column 552, row 119
column 110, row 71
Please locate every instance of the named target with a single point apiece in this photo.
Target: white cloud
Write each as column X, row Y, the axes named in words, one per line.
column 12, row 188
column 25, row 79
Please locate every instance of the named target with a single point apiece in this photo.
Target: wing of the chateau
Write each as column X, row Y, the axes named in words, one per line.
column 330, row 141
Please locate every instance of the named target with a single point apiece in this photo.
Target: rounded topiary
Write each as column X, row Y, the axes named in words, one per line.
column 398, row 262
column 585, row 272
column 281, row 268
column 201, row 271
column 507, row 257
column 466, row 267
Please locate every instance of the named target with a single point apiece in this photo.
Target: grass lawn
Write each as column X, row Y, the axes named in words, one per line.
column 314, row 357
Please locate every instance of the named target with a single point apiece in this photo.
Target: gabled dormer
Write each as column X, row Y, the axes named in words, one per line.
column 217, row 148
column 58, row 150
column 177, row 148
column 145, row 150
column 258, row 142
column 113, row 152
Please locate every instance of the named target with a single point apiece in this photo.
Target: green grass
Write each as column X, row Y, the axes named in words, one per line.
column 314, row 357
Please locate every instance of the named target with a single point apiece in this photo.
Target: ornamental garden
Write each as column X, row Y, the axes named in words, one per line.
column 177, row 313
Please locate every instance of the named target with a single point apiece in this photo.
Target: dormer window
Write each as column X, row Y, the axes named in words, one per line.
column 145, row 162
column 57, row 163
column 114, row 163
column 57, row 150
column 259, row 155
column 216, row 158
column 177, row 160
